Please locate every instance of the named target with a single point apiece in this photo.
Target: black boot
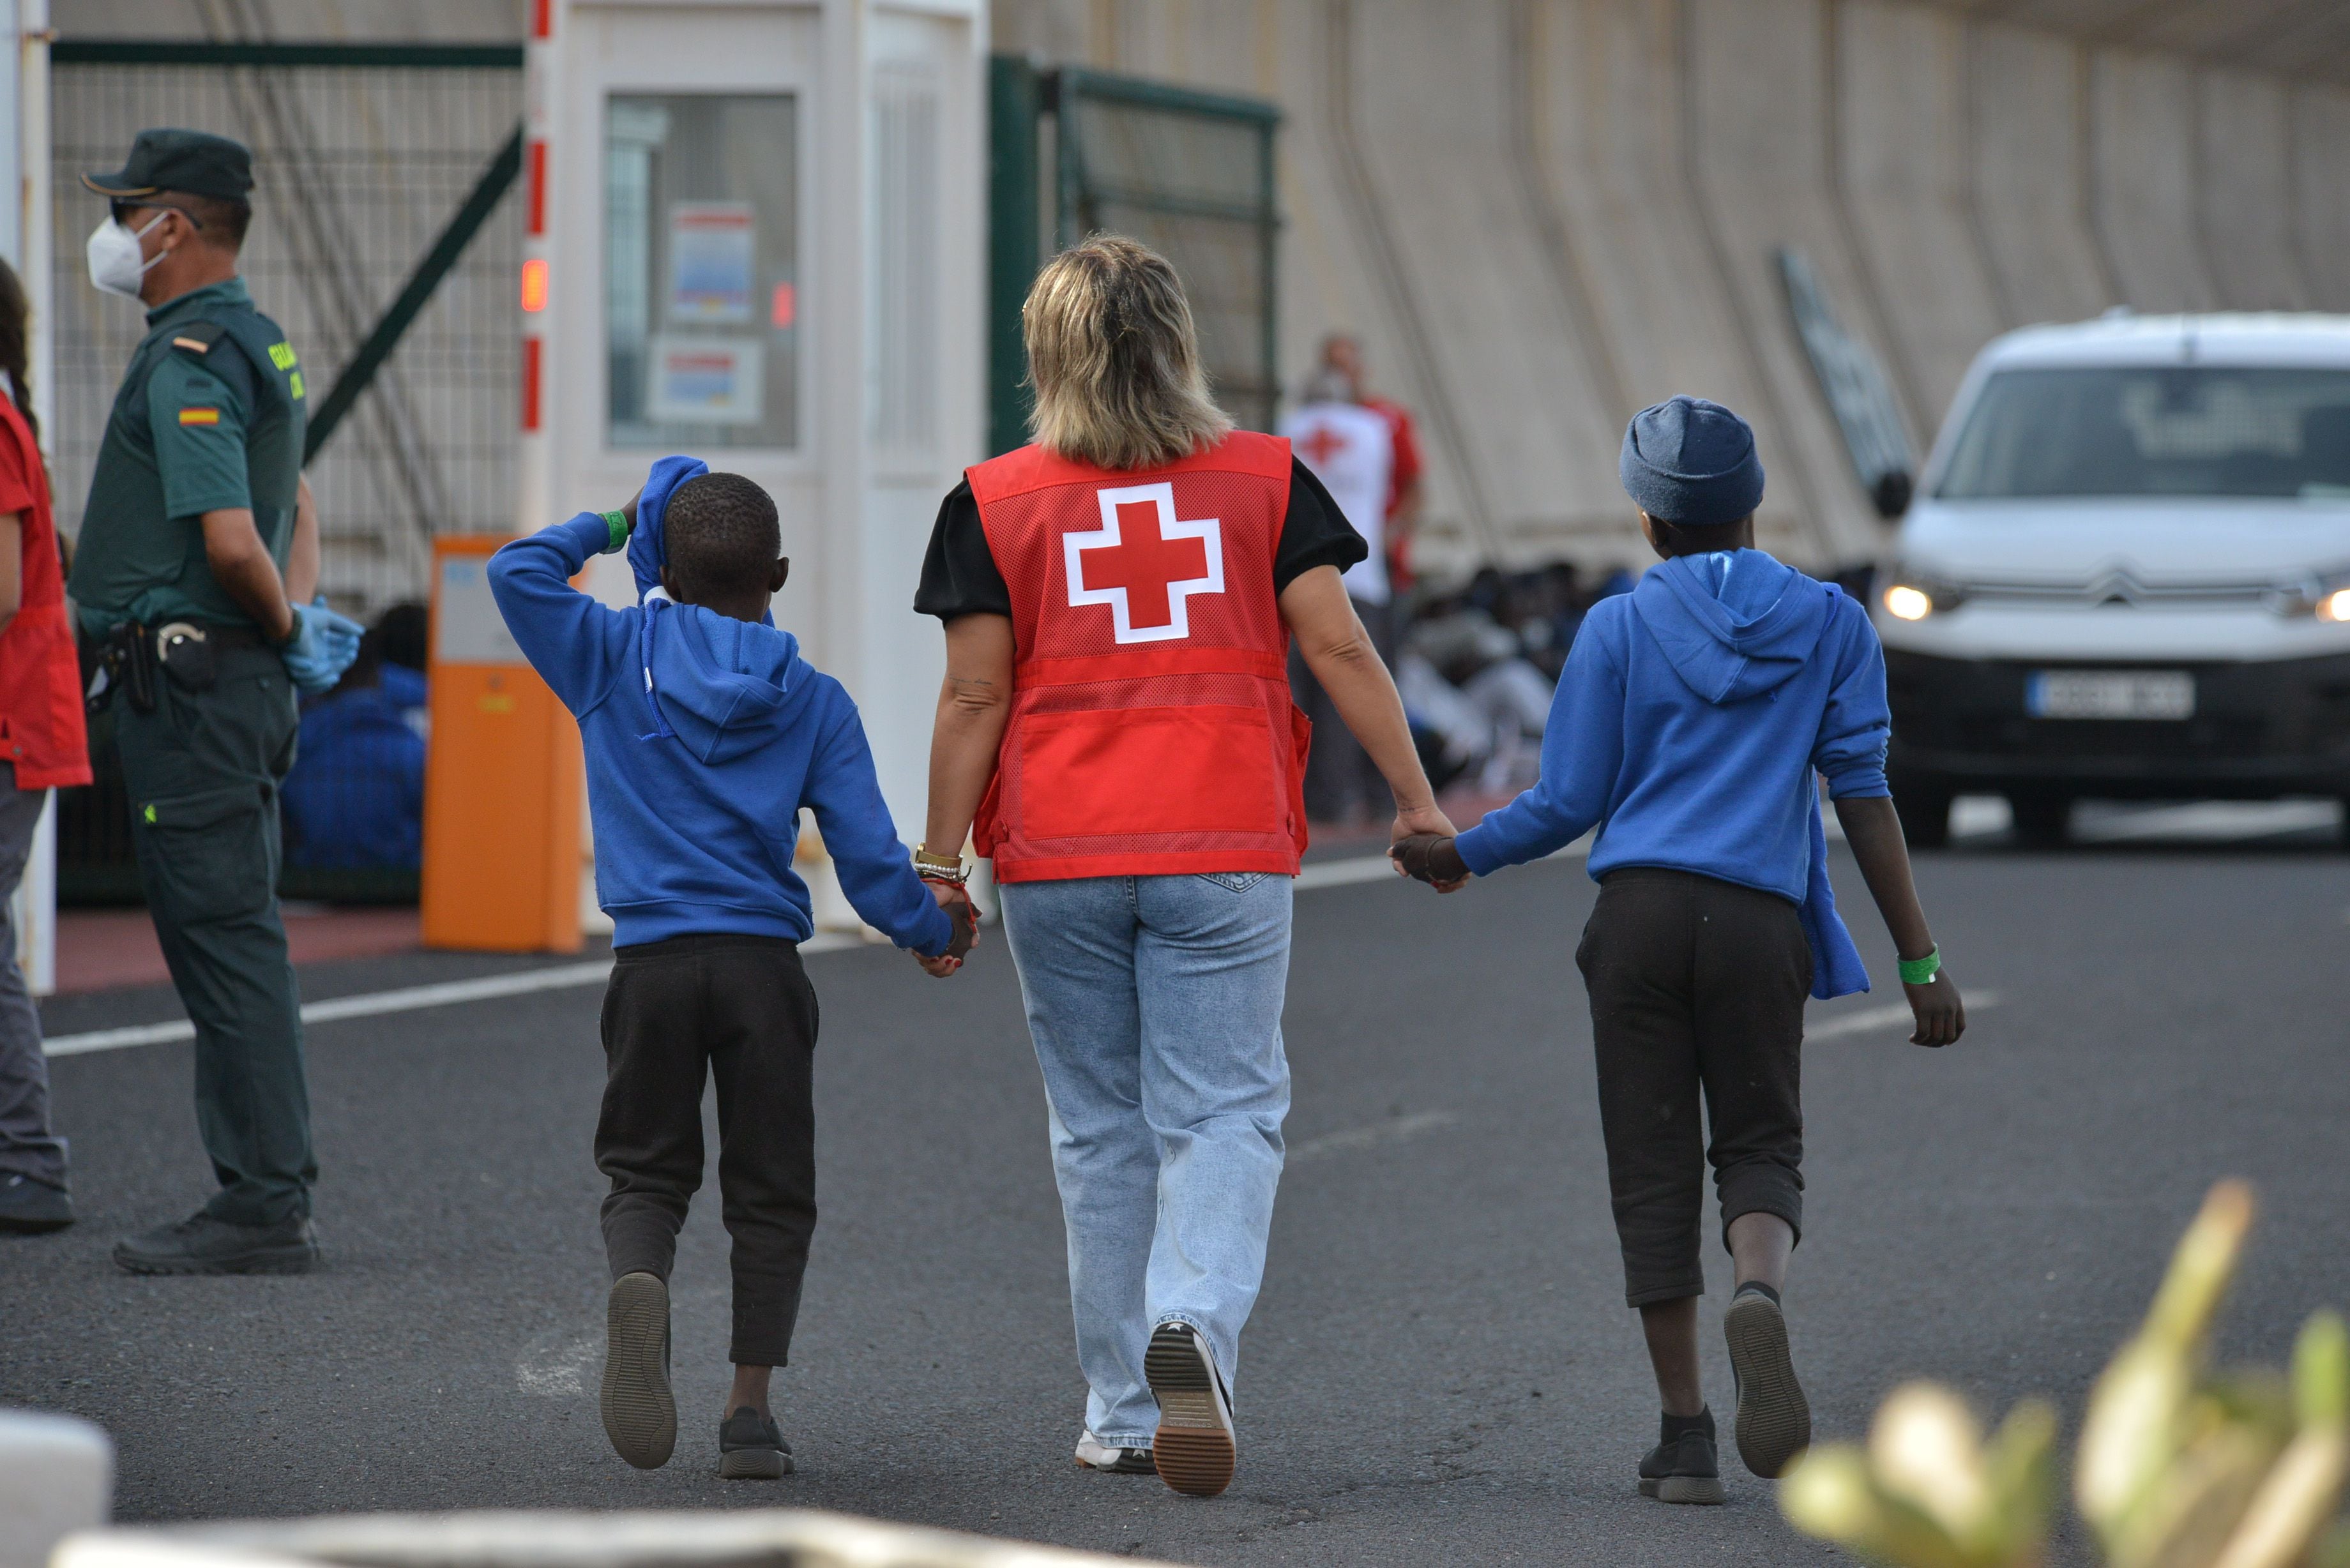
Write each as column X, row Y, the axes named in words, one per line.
column 201, row 1244
column 1681, row 1466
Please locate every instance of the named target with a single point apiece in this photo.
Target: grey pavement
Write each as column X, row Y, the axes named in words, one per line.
column 1442, row 1363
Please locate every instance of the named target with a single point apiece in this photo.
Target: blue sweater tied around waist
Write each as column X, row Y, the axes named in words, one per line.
column 1692, row 717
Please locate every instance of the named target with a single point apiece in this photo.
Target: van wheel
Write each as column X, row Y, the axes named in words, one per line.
column 2041, row 821
column 1924, row 807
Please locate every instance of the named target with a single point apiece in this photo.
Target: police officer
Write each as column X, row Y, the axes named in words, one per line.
column 198, row 546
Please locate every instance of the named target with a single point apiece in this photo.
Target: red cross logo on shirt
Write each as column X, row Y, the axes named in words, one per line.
column 1144, row 564
column 1323, row 445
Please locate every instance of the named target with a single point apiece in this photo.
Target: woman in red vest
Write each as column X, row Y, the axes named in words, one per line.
column 41, row 747
column 1116, row 731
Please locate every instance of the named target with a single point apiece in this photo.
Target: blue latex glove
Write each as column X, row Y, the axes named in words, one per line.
column 648, row 547
column 322, row 645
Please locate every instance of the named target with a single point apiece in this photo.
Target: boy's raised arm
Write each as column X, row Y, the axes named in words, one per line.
column 563, row 632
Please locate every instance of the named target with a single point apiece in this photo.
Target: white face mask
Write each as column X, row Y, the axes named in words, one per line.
column 115, row 262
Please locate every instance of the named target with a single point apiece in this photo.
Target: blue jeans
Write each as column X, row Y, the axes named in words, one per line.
column 1155, row 1003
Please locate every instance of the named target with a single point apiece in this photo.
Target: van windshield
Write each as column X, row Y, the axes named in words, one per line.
column 2155, row 430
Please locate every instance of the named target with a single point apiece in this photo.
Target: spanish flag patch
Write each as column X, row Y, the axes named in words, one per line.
column 200, row 416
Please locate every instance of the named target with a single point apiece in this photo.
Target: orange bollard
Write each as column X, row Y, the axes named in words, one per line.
column 502, row 778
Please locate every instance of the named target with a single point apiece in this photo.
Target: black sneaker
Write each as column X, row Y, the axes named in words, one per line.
column 200, row 1244
column 1774, row 1421
column 1682, row 1467
column 29, row 1207
column 751, row 1448
column 640, row 1416
column 1193, row 1447
column 1093, row 1454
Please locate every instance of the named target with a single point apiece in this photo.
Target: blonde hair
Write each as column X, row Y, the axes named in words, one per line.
column 1115, row 359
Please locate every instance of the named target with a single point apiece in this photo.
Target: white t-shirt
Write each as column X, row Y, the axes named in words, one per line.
column 1351, row 450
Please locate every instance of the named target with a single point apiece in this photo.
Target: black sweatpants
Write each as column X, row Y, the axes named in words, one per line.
column 1696, row 985
column 742, row 1006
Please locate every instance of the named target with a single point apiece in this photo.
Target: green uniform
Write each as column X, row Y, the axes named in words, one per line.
column 210, row 419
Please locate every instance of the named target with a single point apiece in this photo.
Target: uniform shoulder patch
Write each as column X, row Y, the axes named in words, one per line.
column 197, row 337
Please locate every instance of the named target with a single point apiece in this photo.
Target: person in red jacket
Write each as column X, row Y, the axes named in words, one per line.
column 1116, row 727
column 42, row 747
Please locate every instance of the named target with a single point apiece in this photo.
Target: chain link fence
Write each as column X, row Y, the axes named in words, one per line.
column 361, row 156
column 359, row 166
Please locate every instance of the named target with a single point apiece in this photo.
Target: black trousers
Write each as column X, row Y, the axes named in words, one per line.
column 1697, row 986
column 743, row 1006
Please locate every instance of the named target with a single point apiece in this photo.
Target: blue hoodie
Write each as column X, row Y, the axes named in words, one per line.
column 705, row 736
column 1690, row 718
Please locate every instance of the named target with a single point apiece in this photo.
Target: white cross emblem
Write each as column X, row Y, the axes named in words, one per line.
column 1146, row 564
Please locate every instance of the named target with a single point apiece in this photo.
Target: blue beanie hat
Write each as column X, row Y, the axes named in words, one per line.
column 1692, row 463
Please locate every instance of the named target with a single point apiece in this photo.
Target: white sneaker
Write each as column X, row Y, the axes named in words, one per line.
column 1194, row 1447
column 1095, row 1455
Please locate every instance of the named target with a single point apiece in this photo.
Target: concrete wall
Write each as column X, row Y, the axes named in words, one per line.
column 1540, row 215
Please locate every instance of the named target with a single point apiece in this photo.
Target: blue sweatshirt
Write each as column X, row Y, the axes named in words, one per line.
column 704, row 737
column 1689, row 720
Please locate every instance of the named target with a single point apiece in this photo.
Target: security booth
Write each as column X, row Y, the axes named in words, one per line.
column 751, row 234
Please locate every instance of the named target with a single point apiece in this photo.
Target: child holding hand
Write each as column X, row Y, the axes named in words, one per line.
column 1692, row 720
column 706, row 733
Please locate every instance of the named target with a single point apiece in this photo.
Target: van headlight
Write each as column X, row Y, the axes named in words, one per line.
column 1912, row 596
column 2325, row 596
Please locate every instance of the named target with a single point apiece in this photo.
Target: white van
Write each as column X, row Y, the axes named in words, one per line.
column 2126, row 574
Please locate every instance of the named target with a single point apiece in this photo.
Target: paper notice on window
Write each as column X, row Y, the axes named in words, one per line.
column 706, row 382
column 711, row 250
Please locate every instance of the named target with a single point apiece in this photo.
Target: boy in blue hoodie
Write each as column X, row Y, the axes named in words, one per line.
column 1690, row 723
column 705, row 734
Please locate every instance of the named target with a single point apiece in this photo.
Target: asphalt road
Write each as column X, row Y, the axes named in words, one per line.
column 1441, row 1366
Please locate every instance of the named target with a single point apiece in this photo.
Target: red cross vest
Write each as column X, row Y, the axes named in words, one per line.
column 1152, row 730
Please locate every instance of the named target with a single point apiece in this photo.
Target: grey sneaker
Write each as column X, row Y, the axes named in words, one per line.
column 639, row 1415
column 201, row 1244
column 29, row 1207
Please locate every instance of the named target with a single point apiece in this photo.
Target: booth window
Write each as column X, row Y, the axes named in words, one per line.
column 702, row 260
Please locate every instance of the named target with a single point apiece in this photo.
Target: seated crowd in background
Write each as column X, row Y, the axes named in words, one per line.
column 1478, row 666
column 355, row 800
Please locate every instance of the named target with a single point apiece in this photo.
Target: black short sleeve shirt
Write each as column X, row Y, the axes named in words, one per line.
column 959, row 577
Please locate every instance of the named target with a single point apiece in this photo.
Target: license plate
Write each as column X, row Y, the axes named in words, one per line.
column 2109, row 695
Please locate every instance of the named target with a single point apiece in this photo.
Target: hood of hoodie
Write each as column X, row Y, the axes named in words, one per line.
column 724, row 687
column 1735, row 623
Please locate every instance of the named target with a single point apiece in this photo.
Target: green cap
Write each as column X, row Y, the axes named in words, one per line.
column 193, row 163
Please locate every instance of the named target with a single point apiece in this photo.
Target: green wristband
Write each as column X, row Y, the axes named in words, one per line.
column 618, row 524
column 1921, row 972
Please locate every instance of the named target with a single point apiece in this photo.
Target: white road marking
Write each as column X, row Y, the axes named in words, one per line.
column 2225, row 821
column 555, row 1365
column 1379, row 868
column 1395, row 1131
column 1868, row 1020
column 407, row 998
